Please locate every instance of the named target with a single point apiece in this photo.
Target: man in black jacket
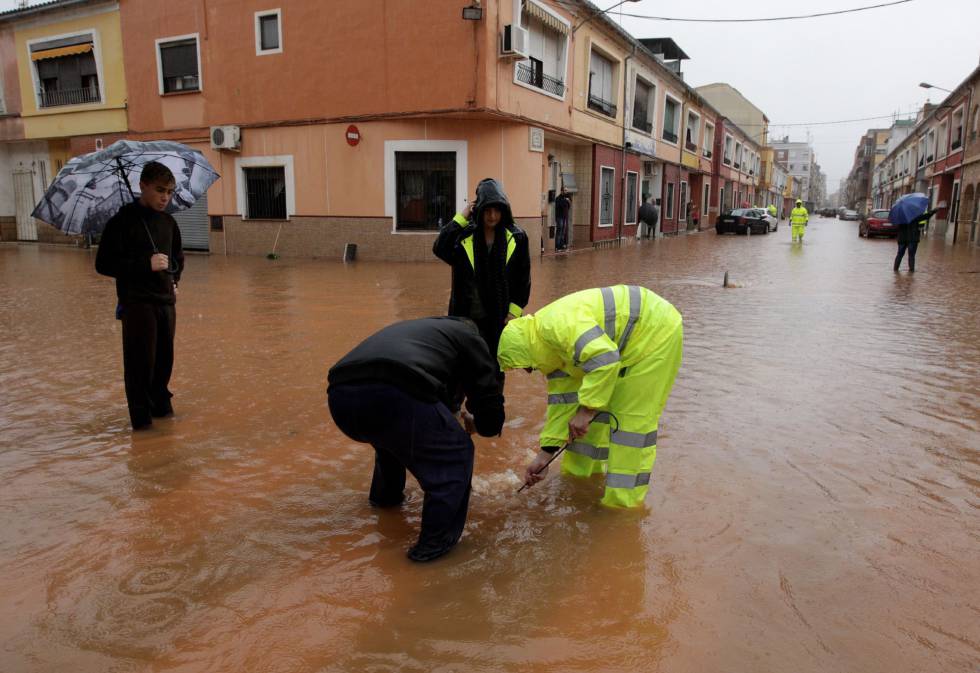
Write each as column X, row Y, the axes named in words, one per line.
column 490, row 260
column 909, row 235
column 141, row 249
column 398, row 391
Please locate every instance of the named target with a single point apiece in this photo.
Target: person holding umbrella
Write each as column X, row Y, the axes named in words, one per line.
column 141, row 249
column 910, row 215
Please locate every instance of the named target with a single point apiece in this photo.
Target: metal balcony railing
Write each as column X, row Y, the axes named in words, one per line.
column 691, row 147
column 707, row 154
column 69, row 97
column 642, row 125
column 669, row 136
column 603, row 106
column 536, row 78
column 956, row 145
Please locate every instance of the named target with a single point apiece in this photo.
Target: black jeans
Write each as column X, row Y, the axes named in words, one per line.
column 561, row 234
column 148, row 359
column 902, row 247
column 421, row 437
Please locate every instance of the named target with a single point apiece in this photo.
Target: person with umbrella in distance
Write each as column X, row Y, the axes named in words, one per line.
column 141, row 249
column 910, row 215
column 610, row 356
column 398, row 391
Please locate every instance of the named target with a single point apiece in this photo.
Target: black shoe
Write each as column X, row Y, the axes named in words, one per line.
column 911, row 269
column 162, row 412
column 142, row 425
column 422, row 553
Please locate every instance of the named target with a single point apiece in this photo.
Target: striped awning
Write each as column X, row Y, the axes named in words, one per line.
column 537, row 12
column 58, row 52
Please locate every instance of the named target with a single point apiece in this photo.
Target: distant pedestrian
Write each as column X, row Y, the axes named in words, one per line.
column 141, row 249
column 909, row 235
column 398, row 391
column 491, row 264
column 563, row 206
column 798, row 218
column 649, row 216
column 772, row 210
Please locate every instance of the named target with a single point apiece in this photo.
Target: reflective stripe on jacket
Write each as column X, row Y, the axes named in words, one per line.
column 799, row 215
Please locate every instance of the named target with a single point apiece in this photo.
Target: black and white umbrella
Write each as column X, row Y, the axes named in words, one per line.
column 90, row 189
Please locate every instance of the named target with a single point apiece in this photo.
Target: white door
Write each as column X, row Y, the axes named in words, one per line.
column 24, row 205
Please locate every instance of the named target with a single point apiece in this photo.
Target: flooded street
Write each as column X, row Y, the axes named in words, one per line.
column 814, row 505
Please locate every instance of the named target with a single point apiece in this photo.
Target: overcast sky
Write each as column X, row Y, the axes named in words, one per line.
column 851, row 66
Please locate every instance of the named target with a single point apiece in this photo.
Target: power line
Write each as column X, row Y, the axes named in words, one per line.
column 839, row 121
column 765, row 19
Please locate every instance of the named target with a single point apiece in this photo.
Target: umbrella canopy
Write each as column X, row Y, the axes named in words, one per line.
column 909, row 208
column 90, row 189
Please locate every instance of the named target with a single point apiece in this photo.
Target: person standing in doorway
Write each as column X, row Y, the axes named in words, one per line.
column 491, row 264
column 563, row 206
column 142, row 250
column 649, row 215
column 909, row 235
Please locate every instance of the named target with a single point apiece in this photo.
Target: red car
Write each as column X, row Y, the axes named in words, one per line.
column 877, row 224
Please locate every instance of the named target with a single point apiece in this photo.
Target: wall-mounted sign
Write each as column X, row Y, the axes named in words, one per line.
column 535, row 139
column 353, row 135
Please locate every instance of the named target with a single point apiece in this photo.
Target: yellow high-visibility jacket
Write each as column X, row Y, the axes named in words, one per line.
column 799, row 215
column 582, row 341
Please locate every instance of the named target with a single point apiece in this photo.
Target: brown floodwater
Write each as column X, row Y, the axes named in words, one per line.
column 815, row 504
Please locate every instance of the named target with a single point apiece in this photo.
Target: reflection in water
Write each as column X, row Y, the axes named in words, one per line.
column 813, row 506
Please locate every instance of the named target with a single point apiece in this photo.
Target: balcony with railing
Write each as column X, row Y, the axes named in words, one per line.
column 691, row 147
column 670, row 136
column 69, row 97
column 641, row 124
column 956, row 144
column 603, row 106
column 707, row 153
column 531, row 74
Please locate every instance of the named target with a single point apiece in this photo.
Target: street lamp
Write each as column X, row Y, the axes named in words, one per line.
column 609, row 9
column 926, row 85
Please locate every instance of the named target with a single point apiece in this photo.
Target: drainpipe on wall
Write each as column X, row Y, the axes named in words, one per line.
column 622, row 209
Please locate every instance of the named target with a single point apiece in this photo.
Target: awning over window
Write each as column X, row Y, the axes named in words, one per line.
column 537, row 12
column 58, row 52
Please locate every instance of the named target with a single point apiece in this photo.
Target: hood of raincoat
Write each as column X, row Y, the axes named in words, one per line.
column 514, row 349
column 491, row 193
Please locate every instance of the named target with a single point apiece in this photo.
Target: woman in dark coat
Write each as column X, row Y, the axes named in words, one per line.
column 490, row 260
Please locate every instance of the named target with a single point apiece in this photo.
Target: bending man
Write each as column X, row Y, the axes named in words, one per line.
column 398, row 391
column 611, row 356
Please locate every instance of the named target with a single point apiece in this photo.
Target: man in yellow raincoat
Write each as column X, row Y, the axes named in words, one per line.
column 610, row 355
column 798, row 218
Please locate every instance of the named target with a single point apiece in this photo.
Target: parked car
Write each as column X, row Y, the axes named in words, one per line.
column 850, row 215
column 877, row 224
column 828, row 212
column 744, row 221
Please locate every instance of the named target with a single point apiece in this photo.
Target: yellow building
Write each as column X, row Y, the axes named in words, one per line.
column 69, row 59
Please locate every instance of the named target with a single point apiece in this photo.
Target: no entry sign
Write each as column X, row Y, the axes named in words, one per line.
column 353, row 135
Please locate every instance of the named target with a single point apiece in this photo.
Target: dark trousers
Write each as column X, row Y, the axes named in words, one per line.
column 561, row 233
column 148, row 359
column 902, row 247
column 421, row 437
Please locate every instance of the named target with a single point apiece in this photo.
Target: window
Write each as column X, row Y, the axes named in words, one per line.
column 738, row 155
column 268, row 32
column 727, row 156
column 671, row 119
column 643, row 104
column 957, row 130
column 922, row 152
column 178, row 62
column 631, row 181
column 930, row 145
column 943, row 137
column 265, row 192
column 66, row 71
column 601, row 85
column 669, row 206
column 606, row 179
column 545, row 69
column 976, row 122
column 425, row 189
column 709, row 139
column 705, row 201
column 682, row 211
column 691, row 134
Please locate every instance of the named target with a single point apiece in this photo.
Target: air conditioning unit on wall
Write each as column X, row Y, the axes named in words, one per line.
column 226, row 138
column 514, row 42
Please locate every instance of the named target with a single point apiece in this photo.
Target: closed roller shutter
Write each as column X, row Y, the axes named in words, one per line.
column 193, row 225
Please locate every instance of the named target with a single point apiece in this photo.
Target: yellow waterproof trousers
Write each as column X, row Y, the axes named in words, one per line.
column 798, row 230
column 626, row 453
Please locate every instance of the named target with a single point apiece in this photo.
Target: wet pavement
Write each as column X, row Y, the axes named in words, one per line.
column 814, row 505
